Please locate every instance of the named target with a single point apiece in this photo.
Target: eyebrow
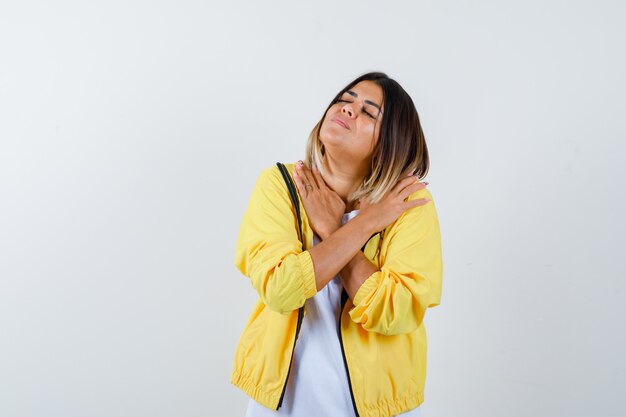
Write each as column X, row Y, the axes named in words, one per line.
column 353, row 94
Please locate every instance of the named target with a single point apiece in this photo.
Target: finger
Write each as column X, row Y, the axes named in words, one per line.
column 410, row 189
column 300, row 185
column 404, row 182
column 402, row 185
column 318, row 177
column 416, row 203
column 306, row 176
column 311, row 177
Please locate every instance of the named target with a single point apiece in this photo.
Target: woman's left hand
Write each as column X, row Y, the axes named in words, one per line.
column 323, row 205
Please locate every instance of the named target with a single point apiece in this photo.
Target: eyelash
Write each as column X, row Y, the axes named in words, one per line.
column 346, row 101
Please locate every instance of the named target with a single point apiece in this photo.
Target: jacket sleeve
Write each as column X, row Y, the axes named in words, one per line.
column 268, row 249
column 393, row 300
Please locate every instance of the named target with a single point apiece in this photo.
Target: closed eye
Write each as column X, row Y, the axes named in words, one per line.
column 364, row 111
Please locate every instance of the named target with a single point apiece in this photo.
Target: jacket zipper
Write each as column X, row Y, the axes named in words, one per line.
column 300, row 315
column 294, row 199
column 344, row 299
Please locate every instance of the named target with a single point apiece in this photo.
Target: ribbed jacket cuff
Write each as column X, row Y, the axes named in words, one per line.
column 368, row 287
column 308, row 274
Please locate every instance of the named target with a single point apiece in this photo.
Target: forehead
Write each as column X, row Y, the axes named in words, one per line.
column 368, row 90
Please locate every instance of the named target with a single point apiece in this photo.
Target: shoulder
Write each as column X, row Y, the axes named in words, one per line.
column 417, row 219
column 271, row 187
column 423, row 193
column 271, row 175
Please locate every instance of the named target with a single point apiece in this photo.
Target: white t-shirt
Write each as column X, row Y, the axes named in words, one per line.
column 318, row 384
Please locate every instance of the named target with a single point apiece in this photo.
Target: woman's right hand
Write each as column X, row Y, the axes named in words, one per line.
column 393, row 204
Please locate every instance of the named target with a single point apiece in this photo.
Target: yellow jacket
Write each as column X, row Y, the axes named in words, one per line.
column 381, row 331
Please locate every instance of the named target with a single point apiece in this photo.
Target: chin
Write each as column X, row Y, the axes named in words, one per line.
column 330, row 137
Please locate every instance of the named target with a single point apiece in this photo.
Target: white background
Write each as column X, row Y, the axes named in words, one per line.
column 131, row 133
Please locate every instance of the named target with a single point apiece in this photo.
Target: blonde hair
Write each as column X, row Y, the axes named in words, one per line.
column 400, row 149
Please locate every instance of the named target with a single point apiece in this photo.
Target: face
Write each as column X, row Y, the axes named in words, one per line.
column 352, row 125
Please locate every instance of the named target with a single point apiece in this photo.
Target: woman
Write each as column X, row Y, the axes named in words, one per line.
column 338, row 326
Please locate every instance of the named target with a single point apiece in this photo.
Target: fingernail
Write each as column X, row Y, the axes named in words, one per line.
column 426, row 182
column 300, row 162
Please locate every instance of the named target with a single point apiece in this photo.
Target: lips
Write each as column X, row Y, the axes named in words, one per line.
column 341, row 122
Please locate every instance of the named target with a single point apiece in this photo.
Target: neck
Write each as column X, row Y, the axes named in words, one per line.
column 343, row 178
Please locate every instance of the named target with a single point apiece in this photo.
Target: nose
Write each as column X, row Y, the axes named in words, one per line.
column 348, row 110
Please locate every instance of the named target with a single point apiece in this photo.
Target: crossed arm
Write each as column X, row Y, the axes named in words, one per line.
column 390, row 300
column 340, row 252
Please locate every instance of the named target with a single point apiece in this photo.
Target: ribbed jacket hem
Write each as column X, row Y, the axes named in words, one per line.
column 264, row 398
column 392, row 407
column 381, row 409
